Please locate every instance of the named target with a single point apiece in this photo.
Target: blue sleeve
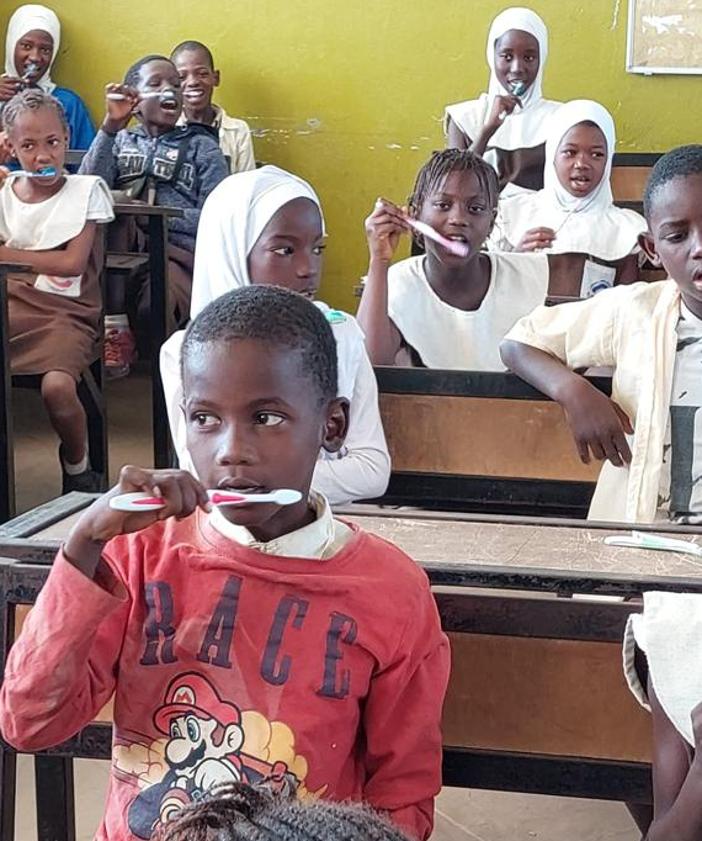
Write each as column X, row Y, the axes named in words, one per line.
column 79, row 120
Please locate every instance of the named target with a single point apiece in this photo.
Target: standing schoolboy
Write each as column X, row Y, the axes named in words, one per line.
column 651, row 334
column 159, row 163
column 508, row 124
column 198, row 79
column 244, row 641
column 50, row 224
column 439, row 309
column 266, row 226
column 31, row 46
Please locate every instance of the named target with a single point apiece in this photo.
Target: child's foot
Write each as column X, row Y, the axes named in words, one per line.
column 120, row 346
column 79, row 477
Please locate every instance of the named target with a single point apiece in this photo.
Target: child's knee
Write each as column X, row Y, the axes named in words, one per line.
column 58, row 390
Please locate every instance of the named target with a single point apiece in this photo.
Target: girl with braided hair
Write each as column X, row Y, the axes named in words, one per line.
column 240, row 812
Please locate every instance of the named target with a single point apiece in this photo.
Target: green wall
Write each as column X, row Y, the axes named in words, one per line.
column 350, row 94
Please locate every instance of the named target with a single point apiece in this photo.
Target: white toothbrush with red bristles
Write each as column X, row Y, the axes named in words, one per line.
column 143, row 501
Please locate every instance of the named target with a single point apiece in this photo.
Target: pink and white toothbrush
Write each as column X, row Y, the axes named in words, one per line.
column 142, row 501
column 460, row 249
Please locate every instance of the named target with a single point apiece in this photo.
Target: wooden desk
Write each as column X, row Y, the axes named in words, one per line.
column 157, row 217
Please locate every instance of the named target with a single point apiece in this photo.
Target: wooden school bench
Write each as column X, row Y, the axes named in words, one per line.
column 481, row 442
column 537, row 701
column 630, row 173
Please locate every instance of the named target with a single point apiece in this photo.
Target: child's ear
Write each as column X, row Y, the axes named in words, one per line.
column 648, row 246
column 336, row 425
column 215, row 84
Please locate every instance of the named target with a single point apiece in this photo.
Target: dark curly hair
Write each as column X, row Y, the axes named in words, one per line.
column 240, row 812
column 276, row 316
column 678, row 163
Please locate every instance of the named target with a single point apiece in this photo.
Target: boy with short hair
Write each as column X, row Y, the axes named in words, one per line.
column 246, row 641
column 651, row 334
column 198, row 78
column 160, row 163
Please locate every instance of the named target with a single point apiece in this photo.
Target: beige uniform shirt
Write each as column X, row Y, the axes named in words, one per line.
column 631, row 329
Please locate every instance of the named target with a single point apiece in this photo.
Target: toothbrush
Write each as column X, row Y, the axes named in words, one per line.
column 29, row 70
column 642, row 540
column 44, row 172
column 141, row 501
column 148, row 95
column 460, row 249
column 518, row 89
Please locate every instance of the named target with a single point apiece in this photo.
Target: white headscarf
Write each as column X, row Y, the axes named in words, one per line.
column 232, row 219
column 525, row 127
column 584, row 225
column 24, row 20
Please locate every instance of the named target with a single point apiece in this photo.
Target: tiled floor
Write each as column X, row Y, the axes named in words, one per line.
column 461, row 815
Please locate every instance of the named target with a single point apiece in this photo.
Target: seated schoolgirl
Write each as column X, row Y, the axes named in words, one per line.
column 265, row 226
column 507, row 125
column 439, row 310
column 49, row 223
column 574, row 215
column 33, row 38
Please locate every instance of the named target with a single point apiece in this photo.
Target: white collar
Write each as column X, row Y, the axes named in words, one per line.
column 318, row 540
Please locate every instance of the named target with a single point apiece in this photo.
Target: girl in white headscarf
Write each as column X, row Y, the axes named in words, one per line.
column 266, row 226
column 31, row 46
column 574, row 215
column 506, row 125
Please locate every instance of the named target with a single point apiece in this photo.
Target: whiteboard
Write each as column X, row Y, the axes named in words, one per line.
column 664, row 36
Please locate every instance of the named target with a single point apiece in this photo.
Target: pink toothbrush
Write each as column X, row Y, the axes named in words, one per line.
column 141, row 501
column 460, row 249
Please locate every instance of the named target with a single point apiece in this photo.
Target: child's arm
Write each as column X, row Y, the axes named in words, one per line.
column 211, row 169
column 502, row 107
column 677, row 778
column 383, row 230
column 543, row 347
column 364, row 471
column 61, row 670
column 70, row 261
column 100, row 158
column 402, row 722
column 455, row 137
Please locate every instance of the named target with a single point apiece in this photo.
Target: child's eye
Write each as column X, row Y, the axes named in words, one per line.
column 506, row 56
column 46, row 50
column 442, row 205
column 477, row 208
column 319, row 249
column 284, row 251
column 204, row 420
column 676, row 237
column 529, row 58
column 268, row 419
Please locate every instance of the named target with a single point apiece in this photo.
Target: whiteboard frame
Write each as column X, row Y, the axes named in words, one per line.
column 646, row 70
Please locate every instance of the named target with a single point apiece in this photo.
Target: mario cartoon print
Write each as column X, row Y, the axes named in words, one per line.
column 202, row 749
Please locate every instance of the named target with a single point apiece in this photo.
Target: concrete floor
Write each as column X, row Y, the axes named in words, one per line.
column 461, row 815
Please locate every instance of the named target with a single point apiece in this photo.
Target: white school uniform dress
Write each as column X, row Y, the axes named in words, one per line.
column 446, row 337
column 233, row 217
column 525, row 127
column 669, row 632
column 590, row 225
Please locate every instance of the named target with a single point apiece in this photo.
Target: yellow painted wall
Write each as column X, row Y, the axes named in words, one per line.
column 350, row 93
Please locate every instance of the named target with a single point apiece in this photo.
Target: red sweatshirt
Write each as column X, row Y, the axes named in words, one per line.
column 227, row 664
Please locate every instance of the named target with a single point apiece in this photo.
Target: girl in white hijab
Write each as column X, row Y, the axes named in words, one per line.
column 506, row 125
column 253, row 228
column 574, row 215
column 31, row 46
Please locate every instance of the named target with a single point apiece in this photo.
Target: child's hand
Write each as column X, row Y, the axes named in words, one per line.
column 119, row 111
column 598, row 424
column 384, row 227
column 100, row 523
column 536, row 239
column 9, row 86
column 502, row 107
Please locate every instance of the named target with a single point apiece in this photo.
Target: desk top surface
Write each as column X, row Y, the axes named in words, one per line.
column 139, row 209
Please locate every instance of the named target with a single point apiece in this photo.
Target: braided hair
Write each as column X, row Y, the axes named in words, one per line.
column 31, row 99
column 240, row 812
column 438, row 167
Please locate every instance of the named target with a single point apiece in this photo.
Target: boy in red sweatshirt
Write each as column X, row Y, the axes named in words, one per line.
column 246, row 641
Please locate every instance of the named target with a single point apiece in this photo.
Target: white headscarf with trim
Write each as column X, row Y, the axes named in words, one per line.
column 590, row 224
column 525, row 127
column 232, row 219
column 26, row 19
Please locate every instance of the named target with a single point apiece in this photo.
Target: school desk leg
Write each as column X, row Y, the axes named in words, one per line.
column 8, row 767
column 56, row 820
column 7, row 455
column 159, row 316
